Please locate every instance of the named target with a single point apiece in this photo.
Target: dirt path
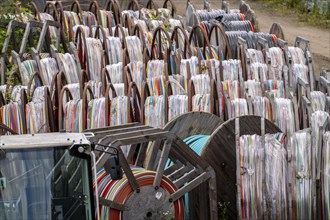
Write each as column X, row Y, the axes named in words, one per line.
column 319, row 38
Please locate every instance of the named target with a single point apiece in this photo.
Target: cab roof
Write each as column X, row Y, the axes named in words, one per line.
column 42, row 140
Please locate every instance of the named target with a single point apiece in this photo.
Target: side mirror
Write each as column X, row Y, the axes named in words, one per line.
column 112, row 165
column 113, row 168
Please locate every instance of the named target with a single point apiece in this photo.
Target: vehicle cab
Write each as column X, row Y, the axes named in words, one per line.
column 46, row 176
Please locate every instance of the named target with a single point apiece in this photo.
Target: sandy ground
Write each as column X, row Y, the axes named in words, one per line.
column 319, row 38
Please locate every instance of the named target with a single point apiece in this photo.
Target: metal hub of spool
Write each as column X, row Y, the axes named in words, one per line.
column 149, row 204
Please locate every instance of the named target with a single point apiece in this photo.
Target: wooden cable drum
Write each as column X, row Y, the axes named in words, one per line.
column 189, row 125
column 83, row 3
column 4, row 129
column 277, row 30
column 114, row 7
column 250, row 16
column 198, row 39
column 217, row 36
column 171, row 6
column 180, row 40
column 161, row 46
column 179, row 32
column 193, row 123
column 219, row 151
column 243, row 7
column 191, row 17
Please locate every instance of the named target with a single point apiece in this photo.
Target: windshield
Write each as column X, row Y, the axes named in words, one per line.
column 46, row 183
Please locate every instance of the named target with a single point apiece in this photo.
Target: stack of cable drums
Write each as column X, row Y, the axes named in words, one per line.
column 127, row 62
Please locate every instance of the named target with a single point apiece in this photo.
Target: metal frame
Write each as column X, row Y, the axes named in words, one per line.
column 192, row 172
column 42, row 140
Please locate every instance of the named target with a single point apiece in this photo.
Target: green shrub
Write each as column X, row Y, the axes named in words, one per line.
column 223, row 210
column 12, row 10
column 312, row 13
column 317, row 15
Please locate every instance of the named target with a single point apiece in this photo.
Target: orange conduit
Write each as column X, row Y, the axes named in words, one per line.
column 252, row 28
column 242, row 16
column 274, row 38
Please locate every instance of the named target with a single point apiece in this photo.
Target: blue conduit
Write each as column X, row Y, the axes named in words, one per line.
column 196, row 143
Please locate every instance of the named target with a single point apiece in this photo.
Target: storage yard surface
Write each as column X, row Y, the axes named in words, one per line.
column 218, row 122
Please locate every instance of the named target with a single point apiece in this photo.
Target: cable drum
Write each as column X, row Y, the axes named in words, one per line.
column 230, row 17
column 190, row 11
column 218, row 39
column 271, row 38
column 251, row 39
column 194, row 16
column 195, row 123
column 251, row 17
column 195, row 128
column 277, row 30
column 228, row 20
column 208, row 24
column 154, row 203
column 205, row 15
column 238, row 26
column 132, row 14
column 215, row 142
column 233, row 38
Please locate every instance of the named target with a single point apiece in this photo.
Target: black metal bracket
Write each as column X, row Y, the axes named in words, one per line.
column 112, row 165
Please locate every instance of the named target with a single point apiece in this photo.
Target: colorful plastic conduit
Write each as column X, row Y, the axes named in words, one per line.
column 284, row 115
column 325, row 196
column 36, row 120
column 155, row 111
column 120, row 191
column 177, row 105
column 302, row 174
column 11, row 116
column 238, row 108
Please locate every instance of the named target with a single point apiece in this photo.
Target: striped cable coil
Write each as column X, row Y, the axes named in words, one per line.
column 120, row 191
column 253, row 171
column 301, row 146
column 325, row 193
